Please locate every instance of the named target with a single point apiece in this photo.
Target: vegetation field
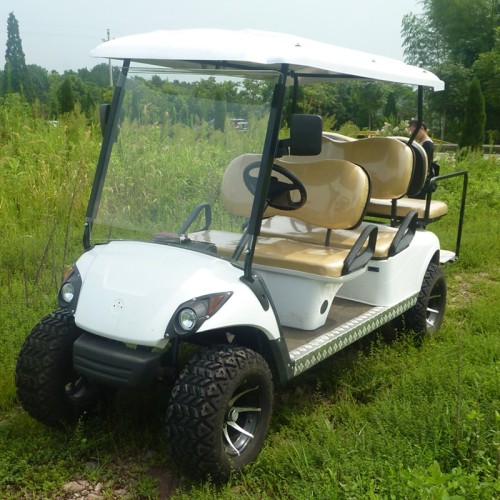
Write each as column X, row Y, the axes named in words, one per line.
column 390, row 417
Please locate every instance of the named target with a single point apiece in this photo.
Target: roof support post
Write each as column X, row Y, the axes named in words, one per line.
column 266, row 166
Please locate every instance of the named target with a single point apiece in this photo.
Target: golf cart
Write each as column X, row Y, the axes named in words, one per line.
column 257, row 249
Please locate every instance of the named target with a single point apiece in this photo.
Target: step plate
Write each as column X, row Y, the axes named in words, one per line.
column 307, row 355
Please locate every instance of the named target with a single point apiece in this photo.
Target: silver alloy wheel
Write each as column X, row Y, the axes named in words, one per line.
column 242, row 418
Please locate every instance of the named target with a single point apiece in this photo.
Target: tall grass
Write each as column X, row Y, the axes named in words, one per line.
column 386, row 418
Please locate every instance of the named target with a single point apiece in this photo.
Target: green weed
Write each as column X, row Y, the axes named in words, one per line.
column 384, row 418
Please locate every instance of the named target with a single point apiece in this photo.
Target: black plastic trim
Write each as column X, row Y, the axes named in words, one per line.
column 357, row 258
column 112, row 364
column 406, row 232
column 259, row 290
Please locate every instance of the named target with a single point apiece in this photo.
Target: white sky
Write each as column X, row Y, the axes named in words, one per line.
column 59, row 34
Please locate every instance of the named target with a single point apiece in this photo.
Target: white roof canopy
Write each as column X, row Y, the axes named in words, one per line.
column 260, row 49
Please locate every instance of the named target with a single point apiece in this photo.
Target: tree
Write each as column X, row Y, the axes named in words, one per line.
column 370, row 97
column 40, row 80
column 466, row 27
column 475, row 118
column 390, row 109
column 450, row 30
column 455, row 38
column 487, row 69
column 67, row 96
column 220, row 111
column 16, row 75
column 421, row 41
column 449, row 104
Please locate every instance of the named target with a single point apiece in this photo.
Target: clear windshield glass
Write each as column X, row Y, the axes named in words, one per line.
column 177, row 134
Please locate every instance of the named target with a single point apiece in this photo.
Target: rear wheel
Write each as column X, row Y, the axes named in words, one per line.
column 426, row 316
column 220, row 411
column 47, row 386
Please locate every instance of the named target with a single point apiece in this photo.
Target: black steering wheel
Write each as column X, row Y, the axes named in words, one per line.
column 279, row 193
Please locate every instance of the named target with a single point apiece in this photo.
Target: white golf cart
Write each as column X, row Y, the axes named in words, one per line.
column 252, row 243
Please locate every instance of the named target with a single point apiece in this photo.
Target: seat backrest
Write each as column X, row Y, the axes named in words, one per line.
column 235, row 196
column 420, row 167
column 388, row 161
column 338, row 191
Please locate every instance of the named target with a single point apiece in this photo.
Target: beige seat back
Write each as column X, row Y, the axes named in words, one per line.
column 235, row 195
column 337, row 191
column 388, row 161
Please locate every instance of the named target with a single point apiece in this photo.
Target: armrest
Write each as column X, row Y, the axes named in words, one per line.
column 358, row 257
column 405, row 234
column 195, row 213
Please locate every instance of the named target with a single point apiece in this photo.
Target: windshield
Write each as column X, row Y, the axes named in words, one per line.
column 177, row 134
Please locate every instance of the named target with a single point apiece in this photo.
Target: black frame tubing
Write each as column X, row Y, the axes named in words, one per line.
column 433, row 182
column 107, row 144
column 263, row 178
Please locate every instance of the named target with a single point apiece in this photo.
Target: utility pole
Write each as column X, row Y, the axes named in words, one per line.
column 109, row 60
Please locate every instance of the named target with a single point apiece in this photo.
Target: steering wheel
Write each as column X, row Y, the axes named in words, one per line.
column 279, row 193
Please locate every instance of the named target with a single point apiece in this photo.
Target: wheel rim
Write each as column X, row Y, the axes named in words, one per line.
column 241, row 419
column 435, row 304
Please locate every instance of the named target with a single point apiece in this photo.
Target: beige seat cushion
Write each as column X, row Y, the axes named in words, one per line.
column 404, row 205
column 294, row 229
column 282, row 252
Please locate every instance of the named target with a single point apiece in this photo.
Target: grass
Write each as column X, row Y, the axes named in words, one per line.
column 388, row 417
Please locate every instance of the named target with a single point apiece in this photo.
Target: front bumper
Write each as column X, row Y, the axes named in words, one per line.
column 112, row 364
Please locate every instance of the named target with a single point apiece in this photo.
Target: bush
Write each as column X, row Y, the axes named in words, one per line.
column 472, row 135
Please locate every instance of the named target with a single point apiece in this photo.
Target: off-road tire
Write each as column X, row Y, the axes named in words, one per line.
column 426, row 316
column 203, row 416
column 47, row 386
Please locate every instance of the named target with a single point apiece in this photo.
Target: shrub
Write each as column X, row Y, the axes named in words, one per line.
column 472, row 135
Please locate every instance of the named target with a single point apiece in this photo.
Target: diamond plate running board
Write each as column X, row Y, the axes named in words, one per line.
column 307, row 355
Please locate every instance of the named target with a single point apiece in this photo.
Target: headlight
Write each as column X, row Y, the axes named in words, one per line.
column 190, row 315
column 187, row 319
column 70, row 289
column 68, row 292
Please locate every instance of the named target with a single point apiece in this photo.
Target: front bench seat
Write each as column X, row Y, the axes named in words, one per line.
column 337, row 195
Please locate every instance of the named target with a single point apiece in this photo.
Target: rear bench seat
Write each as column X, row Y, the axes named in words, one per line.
column 426, row 212
column 337, row 194
column 380, row 158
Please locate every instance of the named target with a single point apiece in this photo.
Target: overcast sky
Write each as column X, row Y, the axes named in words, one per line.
column 59, row 34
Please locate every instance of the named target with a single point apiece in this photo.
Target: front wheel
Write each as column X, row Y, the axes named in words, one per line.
column 219, row 412
column 426, row 316
column 47, row 386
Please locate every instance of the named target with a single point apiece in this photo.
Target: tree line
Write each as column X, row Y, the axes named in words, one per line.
column 459, row 40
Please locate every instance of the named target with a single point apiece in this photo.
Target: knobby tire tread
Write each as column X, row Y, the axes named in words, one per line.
column 193, row 415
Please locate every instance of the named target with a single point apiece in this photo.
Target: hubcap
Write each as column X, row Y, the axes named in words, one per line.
column 241, row 421
column 434, row 305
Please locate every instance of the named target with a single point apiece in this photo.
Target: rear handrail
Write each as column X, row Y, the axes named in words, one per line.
column 432, row 186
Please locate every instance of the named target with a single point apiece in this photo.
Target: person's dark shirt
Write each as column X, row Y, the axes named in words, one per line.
column 428, row 145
